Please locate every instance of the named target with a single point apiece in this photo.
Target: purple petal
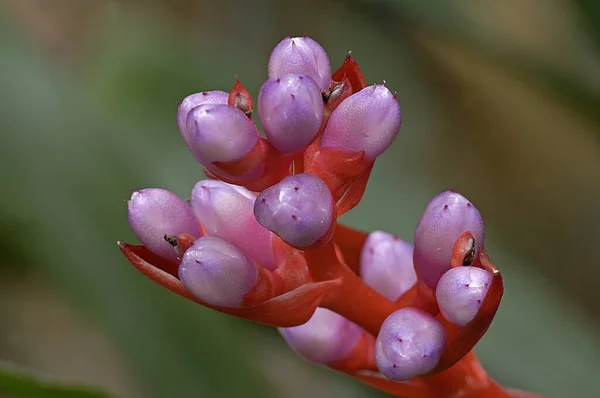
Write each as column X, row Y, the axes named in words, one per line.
column 291, row 111
column 327, row 337
column 227, row 211
column 299, row 209
column 217, row 272
column 410, row 343
column 445, row 219
column 460, row 292
column 301, row 55
column 154, row 213
column 366, row 121
column 386, row 264
column 219, row 133
column 194, row 100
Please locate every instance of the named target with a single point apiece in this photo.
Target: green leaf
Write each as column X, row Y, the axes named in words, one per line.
column 18, row 382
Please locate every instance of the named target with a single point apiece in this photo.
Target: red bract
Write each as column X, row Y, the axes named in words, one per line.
column 326, row 273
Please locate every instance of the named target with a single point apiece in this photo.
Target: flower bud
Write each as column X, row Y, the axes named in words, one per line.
column 368, row 121
column 154, row 213
column 460, row 292
column 219, row 133
column 327, row 337
column 290, row 109
column 301, row 55
column 299, row 209
column 194, row 100
column 217, row 272
column 410, row 343
column 227, row 211
column 445, row 219
column 386, row 264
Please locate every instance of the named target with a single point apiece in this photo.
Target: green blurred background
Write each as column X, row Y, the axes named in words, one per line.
column 500, row 99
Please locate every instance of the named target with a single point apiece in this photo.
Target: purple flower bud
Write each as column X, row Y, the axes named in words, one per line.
column 217, row 272
column 227, row 211
column 299, row 209
column 445, row 219
column 194, row 100
column 326, row 337
column 219, row 133
column 366, row 121
column 461, row 291
column 291, row 111
column 386, row 264
column 410, row 343
column 154, row 213
column 301, row 55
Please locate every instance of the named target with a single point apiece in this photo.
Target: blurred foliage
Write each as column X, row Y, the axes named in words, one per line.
column 20, row 383
column 504, row 110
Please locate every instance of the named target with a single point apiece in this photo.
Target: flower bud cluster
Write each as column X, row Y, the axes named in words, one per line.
column 261, row 234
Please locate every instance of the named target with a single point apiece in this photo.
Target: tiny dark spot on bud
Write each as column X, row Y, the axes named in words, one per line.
column 425, row 355
column 263, row 200
column 400, row 340
column 485, row 284
column 394, row 366
column 296, row 188
column 445, row 207
column 293, row 96
column 478, row 301
column 371, row 250
column 198, row 262
column 452, row 191
column 294, row 217
column 207, row 111
column 469, row 205
column 293, row 43
column 467, row 284
column 204, row 93
column 300, row 77
column 204, row 187
column 278, row 80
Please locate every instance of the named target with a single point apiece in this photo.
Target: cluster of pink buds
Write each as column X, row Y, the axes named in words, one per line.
column 259, row 239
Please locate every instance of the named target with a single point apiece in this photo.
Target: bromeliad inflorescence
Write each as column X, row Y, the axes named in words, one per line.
column 260, row 238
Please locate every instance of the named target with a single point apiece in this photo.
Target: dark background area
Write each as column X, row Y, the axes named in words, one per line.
column 500, row 101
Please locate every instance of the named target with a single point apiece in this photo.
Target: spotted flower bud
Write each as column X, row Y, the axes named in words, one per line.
column 445, row 219
column 386, row 264
column 299, row 209
column 460, row 292
column 291, row 111
column 410, row 343
column 226, row 211
column 366, row 121
column 301, row 55
column 219, row 133
column 327, row 337
column 154, row 213
column 217, row 272
column 194, row 100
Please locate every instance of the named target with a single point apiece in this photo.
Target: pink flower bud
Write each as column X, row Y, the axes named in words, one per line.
column 460, row 292
column 299, row 209
column 366, row 121
column 445, row 219
column 194, row 100
column 386, row 264
column 291, row 111
column 227, row 211
column 327, row 337
column 219, row 133
column 301, row 55
column 154, row 213
column 217, row 272
column 410, row 343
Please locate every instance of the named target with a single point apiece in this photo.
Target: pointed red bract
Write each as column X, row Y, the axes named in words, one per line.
column 240, row 98
column 290, row 309
column 352, row 71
